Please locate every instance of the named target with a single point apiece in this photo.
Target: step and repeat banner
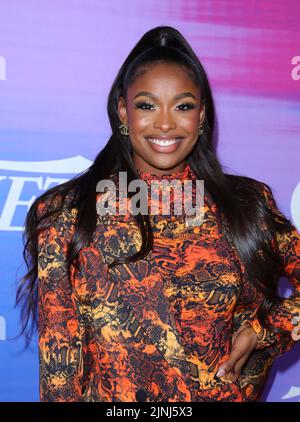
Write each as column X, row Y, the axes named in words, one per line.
column 58, row 60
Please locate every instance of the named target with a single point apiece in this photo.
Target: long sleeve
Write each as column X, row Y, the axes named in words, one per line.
column 282, row 315
column 245, row 313
column 63, row 340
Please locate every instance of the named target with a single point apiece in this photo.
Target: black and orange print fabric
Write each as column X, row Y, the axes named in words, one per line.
column 159, row 328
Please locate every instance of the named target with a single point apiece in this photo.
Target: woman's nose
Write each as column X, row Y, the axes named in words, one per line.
column 164, row 122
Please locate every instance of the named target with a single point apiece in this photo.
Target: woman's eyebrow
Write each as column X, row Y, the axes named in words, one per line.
column 177, row 97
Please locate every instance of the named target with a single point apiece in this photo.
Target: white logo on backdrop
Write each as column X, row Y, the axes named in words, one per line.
column 295, row 206
column 2, row 328
column 293, row 392
column 295, row 74
column 73, row 165
column 2, row 69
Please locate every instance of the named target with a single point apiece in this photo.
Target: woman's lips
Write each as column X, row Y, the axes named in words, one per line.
column 164, row 145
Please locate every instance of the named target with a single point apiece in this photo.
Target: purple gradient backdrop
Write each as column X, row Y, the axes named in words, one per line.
column 61, row 58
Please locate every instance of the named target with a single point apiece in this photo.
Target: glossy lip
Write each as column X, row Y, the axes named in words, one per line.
column 165, row 149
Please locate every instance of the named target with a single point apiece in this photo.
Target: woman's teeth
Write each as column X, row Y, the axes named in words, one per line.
column 163, row 143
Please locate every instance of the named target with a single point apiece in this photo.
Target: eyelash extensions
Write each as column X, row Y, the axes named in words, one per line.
column 140, row 105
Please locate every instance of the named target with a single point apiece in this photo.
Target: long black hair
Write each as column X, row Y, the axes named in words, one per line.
column 239, row 199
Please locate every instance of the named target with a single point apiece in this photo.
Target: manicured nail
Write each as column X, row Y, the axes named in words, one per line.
column 221, row 372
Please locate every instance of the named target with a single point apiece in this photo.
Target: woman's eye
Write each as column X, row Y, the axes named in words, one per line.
column 144, row 106
column 150, row 106
column 187, row 106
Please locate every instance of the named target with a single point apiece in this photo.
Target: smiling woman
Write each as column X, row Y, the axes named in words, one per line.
column 149, row 308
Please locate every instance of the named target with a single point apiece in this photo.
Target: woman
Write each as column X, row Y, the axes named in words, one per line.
column 138, row 307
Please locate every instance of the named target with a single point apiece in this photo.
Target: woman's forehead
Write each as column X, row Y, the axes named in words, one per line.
column 163, row 76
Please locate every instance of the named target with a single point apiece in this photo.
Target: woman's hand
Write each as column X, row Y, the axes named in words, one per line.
column 244, row 341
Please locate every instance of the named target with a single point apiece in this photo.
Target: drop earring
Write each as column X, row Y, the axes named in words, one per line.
column 123, row 129
column 200, row 130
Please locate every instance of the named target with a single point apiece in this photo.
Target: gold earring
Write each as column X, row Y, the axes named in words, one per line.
column 200, row 130
column 123, row 129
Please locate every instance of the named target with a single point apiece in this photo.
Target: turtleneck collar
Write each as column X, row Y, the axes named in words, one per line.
column 156, row 199
column 185, row 174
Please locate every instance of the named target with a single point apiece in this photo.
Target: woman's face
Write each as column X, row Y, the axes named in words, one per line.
column 163, row 111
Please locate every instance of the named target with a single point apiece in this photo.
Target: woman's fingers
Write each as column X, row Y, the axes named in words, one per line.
column 239, row 349
column 236, row 333
column 240, row 364
column 237, row 356
column 244, row 343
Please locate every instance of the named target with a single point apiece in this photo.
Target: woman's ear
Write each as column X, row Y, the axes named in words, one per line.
column 202, row 113
column 122, row 111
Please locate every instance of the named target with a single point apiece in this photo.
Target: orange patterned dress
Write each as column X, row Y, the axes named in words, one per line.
column 159, row 328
